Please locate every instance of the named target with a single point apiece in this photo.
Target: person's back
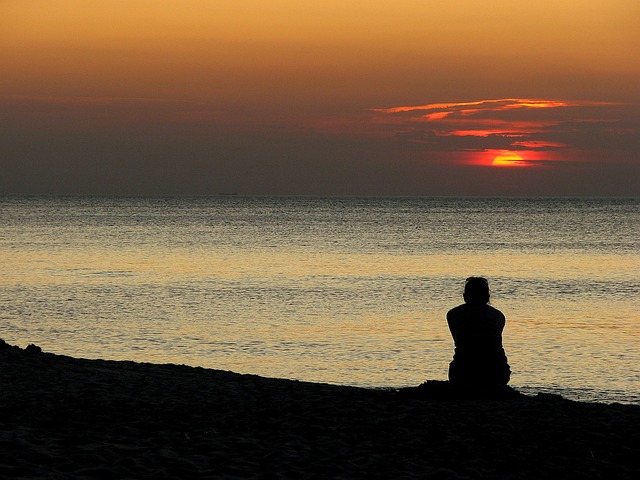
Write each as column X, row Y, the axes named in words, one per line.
column 476, row 328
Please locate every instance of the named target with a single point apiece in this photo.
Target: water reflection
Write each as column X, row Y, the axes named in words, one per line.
column 336, row 291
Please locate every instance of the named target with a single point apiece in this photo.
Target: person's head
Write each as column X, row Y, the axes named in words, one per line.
column 476, row 291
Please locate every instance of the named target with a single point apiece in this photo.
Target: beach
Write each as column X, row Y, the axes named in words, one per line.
column 64, row 417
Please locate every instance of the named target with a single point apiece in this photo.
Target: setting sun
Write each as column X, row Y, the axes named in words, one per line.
column 508, row 159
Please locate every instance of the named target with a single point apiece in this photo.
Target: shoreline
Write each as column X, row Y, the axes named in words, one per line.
column 63, row 417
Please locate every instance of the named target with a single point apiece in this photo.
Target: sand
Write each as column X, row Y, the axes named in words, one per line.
column 62, row 417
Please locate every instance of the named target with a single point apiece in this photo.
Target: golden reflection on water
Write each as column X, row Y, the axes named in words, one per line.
column 551, row 338
column 142, row 265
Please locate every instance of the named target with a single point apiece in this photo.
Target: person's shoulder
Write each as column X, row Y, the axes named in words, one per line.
column 457, row 311
column 459, row 308
column 495, row 312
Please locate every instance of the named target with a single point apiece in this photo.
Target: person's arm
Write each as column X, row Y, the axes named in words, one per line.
column 451, row 321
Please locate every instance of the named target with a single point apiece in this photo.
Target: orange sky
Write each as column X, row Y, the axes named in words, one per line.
column 294, row 96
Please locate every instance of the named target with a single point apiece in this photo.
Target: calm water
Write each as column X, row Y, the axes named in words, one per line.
column 347, row 291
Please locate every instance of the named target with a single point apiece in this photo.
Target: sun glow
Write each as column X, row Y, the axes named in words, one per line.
column 508, row 159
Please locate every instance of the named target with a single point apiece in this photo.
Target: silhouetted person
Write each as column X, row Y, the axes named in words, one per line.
column 476, row 328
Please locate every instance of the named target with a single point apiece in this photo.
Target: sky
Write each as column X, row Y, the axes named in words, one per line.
column 297, row 97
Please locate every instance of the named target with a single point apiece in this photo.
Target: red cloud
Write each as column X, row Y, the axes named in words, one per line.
column 509, row 124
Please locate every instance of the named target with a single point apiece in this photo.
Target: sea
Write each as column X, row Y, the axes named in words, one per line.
column 348, row 290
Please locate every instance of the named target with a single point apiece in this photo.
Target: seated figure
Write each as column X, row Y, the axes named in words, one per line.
column 476, row 327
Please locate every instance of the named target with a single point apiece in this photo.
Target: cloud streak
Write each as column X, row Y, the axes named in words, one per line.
column 527, row 126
